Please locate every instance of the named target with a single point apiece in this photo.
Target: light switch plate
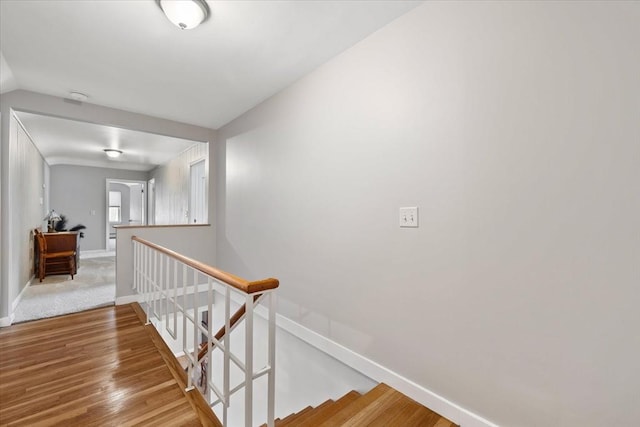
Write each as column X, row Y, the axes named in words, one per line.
column 409, row 217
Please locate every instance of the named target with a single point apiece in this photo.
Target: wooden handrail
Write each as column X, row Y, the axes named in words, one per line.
column 228, row 278
column 237, row 316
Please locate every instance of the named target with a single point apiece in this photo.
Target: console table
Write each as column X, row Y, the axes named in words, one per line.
column 59, row 242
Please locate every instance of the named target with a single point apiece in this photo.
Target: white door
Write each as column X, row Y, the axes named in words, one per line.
column 136, row 204
column 197, row 194
column 151, row 201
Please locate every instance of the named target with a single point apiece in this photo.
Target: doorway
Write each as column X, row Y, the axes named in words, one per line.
column 126, row 205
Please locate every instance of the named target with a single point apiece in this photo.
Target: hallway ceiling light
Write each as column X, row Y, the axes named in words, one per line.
column 186, row 14
column 112, row 153
column 78, row 96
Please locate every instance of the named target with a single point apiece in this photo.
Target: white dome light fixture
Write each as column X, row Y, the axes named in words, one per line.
column 112, row 153
column 78, row 96
column 185, row 14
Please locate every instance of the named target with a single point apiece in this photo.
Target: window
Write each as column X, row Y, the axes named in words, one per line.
column 114, row 213
column 115, row 204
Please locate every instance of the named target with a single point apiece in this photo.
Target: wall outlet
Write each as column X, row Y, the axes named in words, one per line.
column 409, row 217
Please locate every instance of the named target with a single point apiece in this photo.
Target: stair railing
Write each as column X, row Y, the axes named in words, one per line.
column 172, row 285
column 234, row 320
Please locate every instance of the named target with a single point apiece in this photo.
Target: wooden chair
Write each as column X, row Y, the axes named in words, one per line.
column 63, row 262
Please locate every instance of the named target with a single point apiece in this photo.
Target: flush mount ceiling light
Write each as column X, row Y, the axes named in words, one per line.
column 112, row 153
column 78, row 96
column 186, row 14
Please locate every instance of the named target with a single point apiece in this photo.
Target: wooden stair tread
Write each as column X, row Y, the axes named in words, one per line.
column 382, row 406
column 402, row 410
column 426, row 417
column 319, row 408
column 291, row 419
column 389, row 402
column 329, row 410
column 306, row 413
column 342, row 416
column 443, row 422
column 294, row 419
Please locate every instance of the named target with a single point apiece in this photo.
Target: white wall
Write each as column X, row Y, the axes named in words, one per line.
column 515, row 128
column 172, row 185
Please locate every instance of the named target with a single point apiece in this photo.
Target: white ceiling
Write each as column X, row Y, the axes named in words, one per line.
column 70, row 142
column 127, row 55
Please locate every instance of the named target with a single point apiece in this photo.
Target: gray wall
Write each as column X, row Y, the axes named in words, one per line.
column 27, row 170
column 78, row 190
column 515, row 128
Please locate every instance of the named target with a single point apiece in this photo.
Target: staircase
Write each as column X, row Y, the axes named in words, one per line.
column 382, row 406
column 154, row 267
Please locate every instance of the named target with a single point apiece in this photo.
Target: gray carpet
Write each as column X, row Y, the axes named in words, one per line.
column 93, row 286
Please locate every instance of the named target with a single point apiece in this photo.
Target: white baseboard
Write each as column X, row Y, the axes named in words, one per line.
column 16, row 301
column 6, row 321
column 127, row 299
column 377, row 372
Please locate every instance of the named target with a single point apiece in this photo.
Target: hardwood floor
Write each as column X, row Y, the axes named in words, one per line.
column 95, row 368
column 104, row 368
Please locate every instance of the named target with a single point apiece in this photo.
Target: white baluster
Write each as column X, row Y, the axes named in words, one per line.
column 271, row 379
column 248, row 355
column 227, row 351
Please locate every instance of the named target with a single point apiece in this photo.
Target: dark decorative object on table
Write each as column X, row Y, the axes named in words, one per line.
column 62, row 223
